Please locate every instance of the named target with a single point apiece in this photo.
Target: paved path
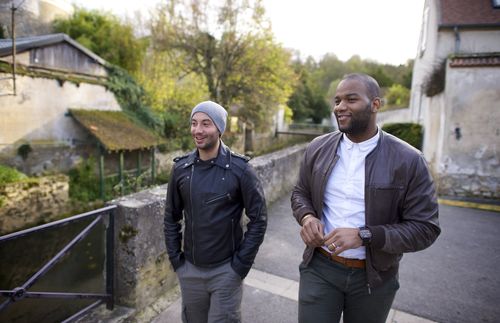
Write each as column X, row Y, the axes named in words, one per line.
column 455, row 280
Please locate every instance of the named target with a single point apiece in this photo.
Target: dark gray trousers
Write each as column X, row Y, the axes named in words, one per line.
column 327, row 289
column 210, row 294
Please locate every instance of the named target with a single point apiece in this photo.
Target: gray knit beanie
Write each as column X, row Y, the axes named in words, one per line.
column 215, row 111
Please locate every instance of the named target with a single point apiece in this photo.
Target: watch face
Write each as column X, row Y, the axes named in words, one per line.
column 365, row 234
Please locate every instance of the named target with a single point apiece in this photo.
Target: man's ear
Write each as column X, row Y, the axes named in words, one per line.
column 376, row 104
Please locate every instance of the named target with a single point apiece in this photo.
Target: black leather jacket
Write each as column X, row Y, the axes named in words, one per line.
column 210, row 196
column 401, row 208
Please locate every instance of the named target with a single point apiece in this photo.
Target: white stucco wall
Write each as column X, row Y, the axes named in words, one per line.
column 38, row 112
column 469, row 164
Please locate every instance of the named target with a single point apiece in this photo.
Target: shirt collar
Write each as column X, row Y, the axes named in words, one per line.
column 363, row 146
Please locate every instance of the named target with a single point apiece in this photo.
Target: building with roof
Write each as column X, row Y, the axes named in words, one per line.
column 33, row 17
column 455, row 95
column 62, row 109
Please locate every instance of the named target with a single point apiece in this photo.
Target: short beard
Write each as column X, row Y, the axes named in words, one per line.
column 359, row 123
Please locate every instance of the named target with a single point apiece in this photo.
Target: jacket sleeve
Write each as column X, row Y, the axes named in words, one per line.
column 255, row 208
column 418, row 226
column 301, row 199
column 172, row 223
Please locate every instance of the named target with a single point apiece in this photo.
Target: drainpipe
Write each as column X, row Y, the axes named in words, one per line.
column 13, row 27
column 457, row 39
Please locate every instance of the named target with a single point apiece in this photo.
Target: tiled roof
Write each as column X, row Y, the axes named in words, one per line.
column 27, row 43
column 114, row 130
column 469, row 13
column 486, row 60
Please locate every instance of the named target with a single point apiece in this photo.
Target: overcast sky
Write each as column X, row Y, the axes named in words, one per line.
column 386, row 31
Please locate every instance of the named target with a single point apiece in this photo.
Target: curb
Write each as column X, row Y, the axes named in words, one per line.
column 473, row 205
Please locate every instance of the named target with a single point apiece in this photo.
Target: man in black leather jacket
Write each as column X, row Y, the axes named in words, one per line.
column 363, row 198
column 209, row 188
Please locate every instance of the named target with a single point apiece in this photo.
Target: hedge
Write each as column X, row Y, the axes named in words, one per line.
column 412, row 133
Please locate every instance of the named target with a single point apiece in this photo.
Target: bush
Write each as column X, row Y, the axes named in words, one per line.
column 397, row 96
column 10, row 175
column 412, row 133
column 83, row 182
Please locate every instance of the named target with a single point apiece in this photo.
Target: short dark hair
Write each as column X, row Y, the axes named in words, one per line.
column 371, row 85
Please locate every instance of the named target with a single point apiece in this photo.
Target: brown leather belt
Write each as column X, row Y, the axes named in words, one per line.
column 354, row 263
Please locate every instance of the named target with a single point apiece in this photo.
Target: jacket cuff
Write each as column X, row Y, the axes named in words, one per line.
column 301, row 213
column 239, row 268
column 177, row 261
column 378, row 236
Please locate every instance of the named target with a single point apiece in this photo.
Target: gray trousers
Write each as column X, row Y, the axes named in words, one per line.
column 328, row 289
column 210, row 295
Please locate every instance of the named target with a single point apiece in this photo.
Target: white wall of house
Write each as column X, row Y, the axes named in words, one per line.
column 469, row 165
column 38, row 112
column 470, row 156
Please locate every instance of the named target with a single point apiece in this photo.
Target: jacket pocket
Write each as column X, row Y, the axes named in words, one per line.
column 383, row 261
column 218, row 198
column 384, row 203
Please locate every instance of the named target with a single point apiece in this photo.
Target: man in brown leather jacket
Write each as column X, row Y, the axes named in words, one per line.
column 363, row 198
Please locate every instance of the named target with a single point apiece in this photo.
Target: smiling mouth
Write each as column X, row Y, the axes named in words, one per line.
column 343, row 116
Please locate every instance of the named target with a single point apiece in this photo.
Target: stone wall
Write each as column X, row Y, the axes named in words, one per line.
column 143, row 272
column 45, row 197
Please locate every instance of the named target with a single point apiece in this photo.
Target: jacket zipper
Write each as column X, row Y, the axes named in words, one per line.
column 369, row 289
column 232, row 234
column 192, row 215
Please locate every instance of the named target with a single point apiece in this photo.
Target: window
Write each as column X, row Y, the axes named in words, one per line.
column 496, row 3
column 423, row 35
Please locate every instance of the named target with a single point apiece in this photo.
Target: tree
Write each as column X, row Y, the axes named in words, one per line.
column 105, row 35
column 307, row 101
column 235, row 53
column 172, row 95
column 397, row 96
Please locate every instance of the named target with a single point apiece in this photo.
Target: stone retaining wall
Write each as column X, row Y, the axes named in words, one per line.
column 26, row 204
column 143, row 273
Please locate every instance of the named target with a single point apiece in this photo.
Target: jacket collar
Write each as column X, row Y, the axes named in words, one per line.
column 223, row 158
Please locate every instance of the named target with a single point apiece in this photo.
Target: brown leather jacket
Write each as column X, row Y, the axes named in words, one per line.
column 401, row 208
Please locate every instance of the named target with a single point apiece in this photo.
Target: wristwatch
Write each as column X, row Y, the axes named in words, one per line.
column 366, row 235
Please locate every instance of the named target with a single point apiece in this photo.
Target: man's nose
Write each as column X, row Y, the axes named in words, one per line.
column 339, row 106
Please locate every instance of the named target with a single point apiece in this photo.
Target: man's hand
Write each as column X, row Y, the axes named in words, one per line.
column 342, row 239
column 312, row 231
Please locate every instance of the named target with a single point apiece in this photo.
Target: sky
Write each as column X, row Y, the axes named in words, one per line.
column 386, row 31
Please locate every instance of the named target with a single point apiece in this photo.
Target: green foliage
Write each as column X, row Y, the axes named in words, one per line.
column 131, row 97
column 412, row 133
column 172, row 94
column 105, row 35
column 240, row 63
column 176, row 129
column 10, row 175
column 435, row 81
column 83, row 182
column 307, row 101
column 320, row 80
column 397, row 96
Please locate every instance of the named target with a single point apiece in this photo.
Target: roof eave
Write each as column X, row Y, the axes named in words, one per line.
column 469, row 26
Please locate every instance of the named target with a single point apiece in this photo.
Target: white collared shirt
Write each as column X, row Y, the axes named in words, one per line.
column 344, row 200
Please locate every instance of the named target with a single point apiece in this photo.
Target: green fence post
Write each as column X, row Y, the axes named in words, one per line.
column 153, row 165
column 101, row 172
column 120, row 173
